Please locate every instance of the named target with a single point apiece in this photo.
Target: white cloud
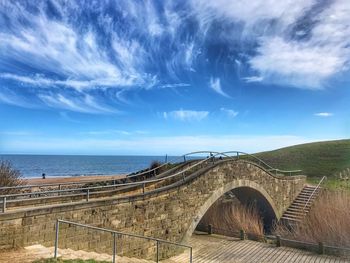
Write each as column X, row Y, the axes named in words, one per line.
column 114, row 132
column 85, row 104
column 215, row 85
column 251, row 12
column 229, row 112
column 174, row 85
column 324, row 114
column 186, row 115
column 297, row 63
column 283, row 55
column 253, row 79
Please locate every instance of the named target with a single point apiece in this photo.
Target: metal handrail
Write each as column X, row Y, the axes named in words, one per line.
column 182, row 157
column 157, row 240
column 313, row 192
column 141, row 183
column 131, row 183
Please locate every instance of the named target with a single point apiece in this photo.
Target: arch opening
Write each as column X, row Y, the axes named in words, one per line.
column 250, row 197
column 246, row 193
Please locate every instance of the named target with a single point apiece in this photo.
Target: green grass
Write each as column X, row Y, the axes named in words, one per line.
column 52, row 260
column 315, row 159
column 331, row 183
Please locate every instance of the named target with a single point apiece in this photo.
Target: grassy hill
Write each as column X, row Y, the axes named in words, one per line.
column 315, row 159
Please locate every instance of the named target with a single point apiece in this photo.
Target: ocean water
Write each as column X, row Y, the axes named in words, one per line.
column 79, row 165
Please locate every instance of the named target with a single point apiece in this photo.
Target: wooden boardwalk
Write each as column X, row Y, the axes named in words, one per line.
column 210, row 249
column 206, row 249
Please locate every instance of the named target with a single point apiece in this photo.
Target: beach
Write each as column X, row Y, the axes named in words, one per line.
column 72, row 179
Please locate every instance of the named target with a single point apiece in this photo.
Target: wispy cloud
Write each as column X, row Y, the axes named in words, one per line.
column 324, row 114
column 84, row 104
column 114, row 132
column 186, row 115
column 142, row 45
column 229, row 112
column 253, row 79
column 215, row 85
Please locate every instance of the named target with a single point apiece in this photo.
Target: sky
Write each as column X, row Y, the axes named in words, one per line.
column 170, row 77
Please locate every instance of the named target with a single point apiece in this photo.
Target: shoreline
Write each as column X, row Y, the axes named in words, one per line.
column 72, row 179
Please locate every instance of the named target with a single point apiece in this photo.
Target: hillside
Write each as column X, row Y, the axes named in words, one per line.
column 315, row 159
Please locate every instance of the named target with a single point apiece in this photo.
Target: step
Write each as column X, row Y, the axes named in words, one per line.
column 296, row 211
column 291, row 219
column 296, row 215
column 303, row 198
column 307, row 209
column 307, row 194
column 310, row 193
column 293, row 214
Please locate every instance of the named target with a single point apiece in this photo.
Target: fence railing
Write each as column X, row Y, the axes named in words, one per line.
column 314, row 191
column 115, row 235
column 319, row 247
column 87, row 192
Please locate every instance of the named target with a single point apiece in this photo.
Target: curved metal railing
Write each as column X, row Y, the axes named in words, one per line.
column 87, row 191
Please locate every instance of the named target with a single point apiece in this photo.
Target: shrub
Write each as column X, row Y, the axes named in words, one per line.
column 9, row 177
column 154, row 165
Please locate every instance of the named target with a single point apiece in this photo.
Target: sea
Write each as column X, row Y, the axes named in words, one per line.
column 33, row 166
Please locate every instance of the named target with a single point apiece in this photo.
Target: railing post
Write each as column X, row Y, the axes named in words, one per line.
column 114, row 247
column 237, row 155
column 87, row 195
column 190, row 254
column 320, row 248
column 4, row 204
column 157, row 251
column 210, row 229
column 278, row 241
column 184, row 158
column 143, row 188
column 56, row 239
column 242, row 234
column 183, row 176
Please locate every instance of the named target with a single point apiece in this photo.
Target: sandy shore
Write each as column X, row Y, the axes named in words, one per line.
column 57, row 180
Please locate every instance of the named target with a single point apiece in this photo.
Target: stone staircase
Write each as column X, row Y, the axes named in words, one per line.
column 301, row 205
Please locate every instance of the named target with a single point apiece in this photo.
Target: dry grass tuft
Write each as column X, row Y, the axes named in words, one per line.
column 232, row 217
column 328, row 221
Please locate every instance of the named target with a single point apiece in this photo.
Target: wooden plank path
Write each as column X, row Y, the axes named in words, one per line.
column 206, row 249
column 218, row 249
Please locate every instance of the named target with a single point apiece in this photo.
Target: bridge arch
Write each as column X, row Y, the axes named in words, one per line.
column 219, row 192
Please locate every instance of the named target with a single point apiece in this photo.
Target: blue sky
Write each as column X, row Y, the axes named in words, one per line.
column 156, row 77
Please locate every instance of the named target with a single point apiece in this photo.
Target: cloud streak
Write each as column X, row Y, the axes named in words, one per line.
column 229, row 112
column 324, row 114
column 186, row 115
column 215, row 85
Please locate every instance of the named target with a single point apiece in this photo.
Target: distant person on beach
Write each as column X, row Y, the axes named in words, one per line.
column 43, row 175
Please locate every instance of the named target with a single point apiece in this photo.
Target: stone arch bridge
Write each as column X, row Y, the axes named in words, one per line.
column 168, row 208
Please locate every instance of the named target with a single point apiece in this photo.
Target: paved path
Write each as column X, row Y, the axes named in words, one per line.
column 206, row 249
